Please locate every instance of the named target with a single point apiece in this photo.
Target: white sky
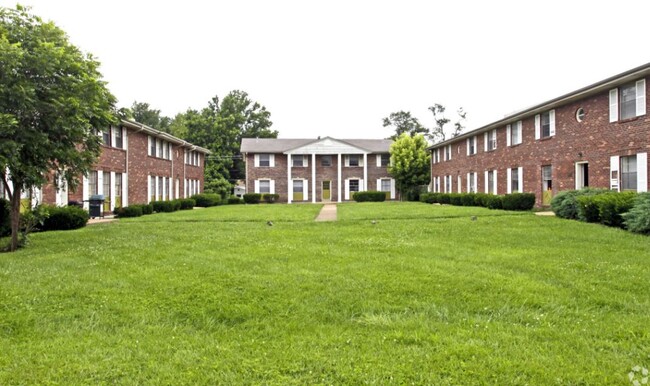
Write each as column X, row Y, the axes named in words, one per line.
column 336, row 68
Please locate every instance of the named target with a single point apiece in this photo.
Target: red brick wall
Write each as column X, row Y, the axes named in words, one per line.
column 593, row 140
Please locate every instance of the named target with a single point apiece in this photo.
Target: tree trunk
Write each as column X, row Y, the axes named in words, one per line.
column 15, row 217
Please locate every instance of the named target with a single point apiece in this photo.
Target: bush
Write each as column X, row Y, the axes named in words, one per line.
column 429, row 198
column 494, row 202
column 186, row 203
column 234, row 200
column 252, row 198
column 637, row 220
column 5, row 217
column 206, row 200
column 147, row 209
column 565, row 203
column 518, row 201
column 64, row 218
column 481, row 199
column 129, row 211
column 467, row 199
column 456, row 199
column 587, row 209
column 369, row 196
column 612, row 205
column 444, row 198
column 162, row 206
column 270, row 198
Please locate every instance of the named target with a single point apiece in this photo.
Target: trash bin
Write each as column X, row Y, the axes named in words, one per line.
column 96, row 205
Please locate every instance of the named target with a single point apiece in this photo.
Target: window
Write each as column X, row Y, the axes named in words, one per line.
column 385, row 184
column 515, row 183
column 628, row 173
column 159, row 150
column 436, row 156
column 447, row 152
column 298, row 161
column 118, row 185
column 448, row 184
column 152, row 146
column 471, row 145
column 265, row 160
column 152, row 186
column 491, row 140
column 627, row 101
column 92, row 182
column 161, row 188
column 165, row 150
column 471, row 182
column 580, row 114
column 119, row 142
column 385, row 160
column 546, row 124
column 106, row 136
column 353, row 160
column 354, row 185
column 514, row 133
column 265, row 186
column 490, row 186
column 298, row 190
column 106, row 183
column 326, row 160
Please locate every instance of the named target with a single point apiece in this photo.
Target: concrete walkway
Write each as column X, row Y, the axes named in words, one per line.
column 328, row 213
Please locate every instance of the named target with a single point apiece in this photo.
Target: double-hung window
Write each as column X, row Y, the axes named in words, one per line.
column 353, row 160
column 515, row 180
column 265, row 160
column 545, row 124
column 265, row 186
column 491, row 140
column 326, row 160
column 119, row 142
column 513, row 132
column 297, row 161
column 471, row 145
column 385, row 160
column 447, row 152
column 629, row 173
column 627, row 101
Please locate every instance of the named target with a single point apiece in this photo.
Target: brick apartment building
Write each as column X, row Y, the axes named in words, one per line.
column 317, row 170
column 137, row 164
column 597, row 136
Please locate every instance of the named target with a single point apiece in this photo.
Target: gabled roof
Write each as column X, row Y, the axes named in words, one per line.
column 161, row 134
column 584, row 92
column 281, row 145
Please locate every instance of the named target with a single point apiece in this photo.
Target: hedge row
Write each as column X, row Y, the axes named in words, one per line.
column 64, row 218
column 206, row 200
column 135, row 210
column 627, row 210
column 256, row 198
column 369, row 196
column 514, row 201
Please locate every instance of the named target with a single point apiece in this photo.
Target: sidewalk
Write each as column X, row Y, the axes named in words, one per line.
column 328, row 213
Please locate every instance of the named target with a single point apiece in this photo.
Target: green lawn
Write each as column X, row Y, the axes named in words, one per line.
column 425, row 296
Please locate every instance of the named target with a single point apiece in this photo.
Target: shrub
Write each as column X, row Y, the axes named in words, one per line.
column 162, row 206
column 637, row 220
column 186, row 203
column 369, row 196
column 587, row 209
column 252, row 198
column 494, row 202
column 206, row 200
column 518, row 201
column 428, row 198
column 467, row 199
column 612, row 205
column 234, row 200
column 456, row 199
column 565, row 203
column 5, row 218
column 444, row 198
column 270, row 198
column 129, row 211
column 176, row 205
column 147, row 209
column 481, row 199
column 64, row 218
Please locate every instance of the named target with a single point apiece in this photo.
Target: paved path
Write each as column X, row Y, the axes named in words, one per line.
column 328, row 213
column 547, row 213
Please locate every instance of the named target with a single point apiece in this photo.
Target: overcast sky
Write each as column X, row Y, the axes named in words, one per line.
column 336, row 68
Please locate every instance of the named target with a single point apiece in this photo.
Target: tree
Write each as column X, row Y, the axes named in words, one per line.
column 51, row 100
column 403, row 122
column 438, row 133
column 143, row 113
column 410, row 164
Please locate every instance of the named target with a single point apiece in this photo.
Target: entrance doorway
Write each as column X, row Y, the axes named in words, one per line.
column 547, row 185
column 582, row 175
column 327, row 190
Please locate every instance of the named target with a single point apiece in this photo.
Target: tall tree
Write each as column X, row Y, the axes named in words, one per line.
column 51, row 99
column 410, row 164
column 143, row 113
column 439, row 131
column 403, row 122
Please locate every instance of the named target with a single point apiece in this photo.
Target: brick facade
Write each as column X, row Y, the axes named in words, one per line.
column 593, row 141
column 315, row 150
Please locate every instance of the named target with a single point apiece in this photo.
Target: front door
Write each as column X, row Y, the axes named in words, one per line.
column 547, row 185
column 327, row 192
column 582, row 175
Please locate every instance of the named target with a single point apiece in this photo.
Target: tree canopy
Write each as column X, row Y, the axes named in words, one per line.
column 52, row 100
column 410, row 164
column 404, row 122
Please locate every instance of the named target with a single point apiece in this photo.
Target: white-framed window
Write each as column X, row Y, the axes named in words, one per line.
column 385, row 185
column 448, row 184
column 471, row 145
column 629, row 173
column 471, row 182
column 353, row 160
column 93, row 186
column 383, row 160
column 515, row 180
column 491, row 181
column 264, row 186
column 119, row 140
column 627, row 101
column 447, row 153
column 545, row 124
column 436, row 156
column 490, row 140
column 354, row 185
column 513, row 134
column 106, row 136
column 264, row 160
column 326, row 160
column 299, row 161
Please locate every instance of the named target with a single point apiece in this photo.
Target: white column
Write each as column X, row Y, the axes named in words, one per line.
column 289, row 185
column 112, row 193
column 313, row 177
column 365, row 172
column 338, row 183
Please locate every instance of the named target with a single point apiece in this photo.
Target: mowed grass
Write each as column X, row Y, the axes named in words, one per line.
column 424, row 295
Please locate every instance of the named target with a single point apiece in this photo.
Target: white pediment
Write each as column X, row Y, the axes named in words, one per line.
column 327, row 146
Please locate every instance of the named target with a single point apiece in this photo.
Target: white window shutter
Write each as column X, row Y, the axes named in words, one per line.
column 640, row 97
column 361, row 186
column 392, row 189
column 257, row 162
column 100, row 182
column 485, row 136
column 508, row 135
column 347, row 162
column 347, row 188
column 125, row 189
column 494, row 176
column 272, row 186
column 459, row 183
column 468, row 181
column 642, row 172
column 475, row 182
column 614, row 161
column 538, row 126
column 257, row 186
column 149, row 145
column 551, row 115
column 520, row 174
column 468, row 145
column 613, row 105
column 379, row 160
column 487, row 188
column 305, row 162
column 361, row 162
column 379, row 184
column 272, row 160
column 509, row 181
column 305, row 189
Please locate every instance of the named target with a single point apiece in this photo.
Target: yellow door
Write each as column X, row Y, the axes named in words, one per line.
column 327, row 193
column 547, row 196
column 297, row 190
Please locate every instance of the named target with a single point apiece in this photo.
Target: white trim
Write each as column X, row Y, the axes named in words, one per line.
column 485, row 142
column 149, row 188
column 257, row 161
column 313, row 178
column 271, row 186
column 100, row 182
column 520, row 181
column 642, row 172
column 125, row 189
column 379, row 160
column 363, row 186
column 538, row 126
column 509, row 181
column 392, row 188
column 271, row 160
column 551, row 118
column 256, row 186
column 459, row 183
column 339, row 198
column 640, row 97
column 112, row 192
column 508, row 135
column 289, row 186
column 487, row 188
column 614, row 162
column 347, row 189
column 613, row 105
column 305, row 189
column 496, row 185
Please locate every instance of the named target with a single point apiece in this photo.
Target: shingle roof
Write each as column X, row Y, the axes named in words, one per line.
column 279, row 145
